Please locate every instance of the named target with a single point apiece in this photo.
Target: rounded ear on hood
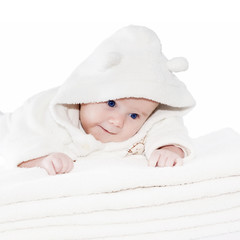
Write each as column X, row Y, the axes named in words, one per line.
column 177, row 64
column 110, row 60
column 129, row 63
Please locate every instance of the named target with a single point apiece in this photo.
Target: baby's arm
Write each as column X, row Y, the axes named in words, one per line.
column 166, row 156
column 54, row 163
column 167, row 143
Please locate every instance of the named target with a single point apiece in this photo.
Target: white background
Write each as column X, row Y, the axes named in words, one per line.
column 41, row 42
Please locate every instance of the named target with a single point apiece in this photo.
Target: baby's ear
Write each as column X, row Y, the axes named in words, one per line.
column 110, row 60
column 177, row 64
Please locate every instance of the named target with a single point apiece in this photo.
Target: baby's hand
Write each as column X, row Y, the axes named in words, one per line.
column 57, row 163
column 166, row 157
column 54, row 163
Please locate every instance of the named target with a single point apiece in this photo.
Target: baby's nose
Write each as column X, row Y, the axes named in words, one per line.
column 117, row 120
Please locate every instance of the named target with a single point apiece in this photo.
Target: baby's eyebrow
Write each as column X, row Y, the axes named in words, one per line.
column 144, row 114
column 141, row 112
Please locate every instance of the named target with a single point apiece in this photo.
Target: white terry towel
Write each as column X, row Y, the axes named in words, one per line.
column 124, row 199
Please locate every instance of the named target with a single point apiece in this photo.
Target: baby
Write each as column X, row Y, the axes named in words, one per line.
column 112, row 121
column 123, row 100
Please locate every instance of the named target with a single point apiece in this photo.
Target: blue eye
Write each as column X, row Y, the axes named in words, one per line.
column 111, row 103
column 133, row 115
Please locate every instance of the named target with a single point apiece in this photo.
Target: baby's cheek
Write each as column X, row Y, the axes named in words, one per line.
column 134, row 130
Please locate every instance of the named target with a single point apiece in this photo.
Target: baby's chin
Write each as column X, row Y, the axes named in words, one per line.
column 110, row 138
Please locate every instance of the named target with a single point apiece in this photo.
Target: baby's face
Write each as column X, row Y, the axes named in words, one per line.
column 115, row 120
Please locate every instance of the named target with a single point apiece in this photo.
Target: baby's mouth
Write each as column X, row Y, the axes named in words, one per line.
column 107, row 131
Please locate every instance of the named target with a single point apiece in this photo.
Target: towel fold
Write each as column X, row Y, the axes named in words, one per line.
column 124, row 199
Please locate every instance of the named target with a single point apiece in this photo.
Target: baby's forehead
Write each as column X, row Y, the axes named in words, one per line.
column 140, row 104
column 131, row 103
column 133, row 100
column 138, row 101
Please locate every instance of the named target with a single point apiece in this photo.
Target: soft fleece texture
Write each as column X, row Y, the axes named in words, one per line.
column 130, row 63
column 37, row 129
column 124, row 199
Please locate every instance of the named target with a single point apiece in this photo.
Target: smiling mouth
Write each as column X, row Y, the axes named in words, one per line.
column 105, row 130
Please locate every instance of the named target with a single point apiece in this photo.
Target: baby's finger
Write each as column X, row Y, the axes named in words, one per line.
column 57, row 164
column 169, row 162
column 70, row 167
column 152, row 162
column 67, row 163
column 48, row 166
column 162, row 161
column 178, row 162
